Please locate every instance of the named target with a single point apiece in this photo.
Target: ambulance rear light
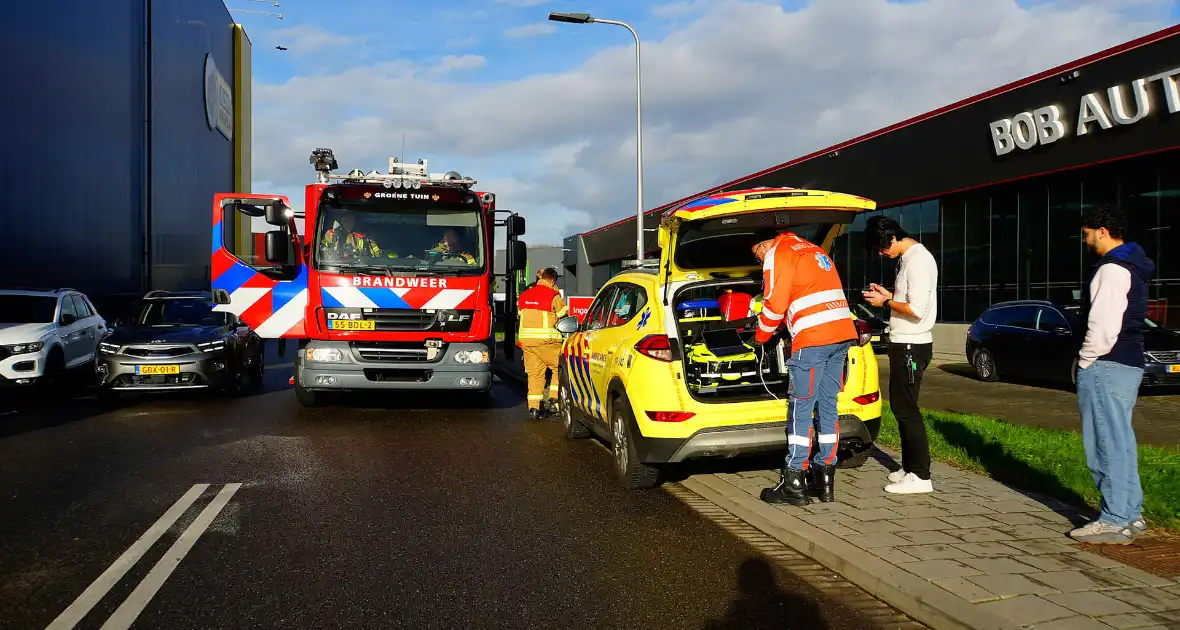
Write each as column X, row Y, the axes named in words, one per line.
column 658, row 347
column 867, row 399
column 864, row 332
column 669, row 416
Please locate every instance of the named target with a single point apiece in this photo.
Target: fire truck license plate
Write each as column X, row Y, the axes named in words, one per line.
column 157, row 369
column 1174, row 369
column 351, row 324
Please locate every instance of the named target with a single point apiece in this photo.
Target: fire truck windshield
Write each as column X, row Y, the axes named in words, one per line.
column 385, row 236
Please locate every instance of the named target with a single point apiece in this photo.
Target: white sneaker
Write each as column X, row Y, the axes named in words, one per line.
column 897, row 475
column 910, row 484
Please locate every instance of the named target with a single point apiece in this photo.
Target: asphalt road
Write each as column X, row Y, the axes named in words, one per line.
column 407, row 511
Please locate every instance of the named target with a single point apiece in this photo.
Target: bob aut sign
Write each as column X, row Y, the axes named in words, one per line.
column 1119, row 105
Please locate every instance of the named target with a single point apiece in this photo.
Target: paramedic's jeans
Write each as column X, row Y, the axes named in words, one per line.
column 817, row 376
column 1106, row 398
column 538, row 359
column 903, row 400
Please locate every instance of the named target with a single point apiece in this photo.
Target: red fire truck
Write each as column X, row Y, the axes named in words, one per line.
column 385, row 278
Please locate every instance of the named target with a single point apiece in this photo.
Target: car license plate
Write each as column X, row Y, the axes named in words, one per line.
column 352, row 324
column 876, row 338
column 157, row 369
column 1174, row 369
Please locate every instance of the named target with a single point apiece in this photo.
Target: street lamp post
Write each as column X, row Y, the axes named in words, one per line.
column 585, row 18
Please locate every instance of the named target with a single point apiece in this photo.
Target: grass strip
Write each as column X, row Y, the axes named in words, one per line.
column 1048, row 461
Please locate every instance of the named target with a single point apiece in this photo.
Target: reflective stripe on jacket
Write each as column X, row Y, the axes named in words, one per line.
column 802, row 289
column 540, row 307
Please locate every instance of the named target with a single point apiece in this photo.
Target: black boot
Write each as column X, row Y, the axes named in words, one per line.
column 535, row 414
column 822, row 483
column 791, row 488
column 552, row 406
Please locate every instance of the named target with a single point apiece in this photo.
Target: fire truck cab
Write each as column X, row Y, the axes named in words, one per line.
column 385, row 278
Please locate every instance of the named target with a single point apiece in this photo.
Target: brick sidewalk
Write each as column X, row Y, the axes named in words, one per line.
column 974, row 554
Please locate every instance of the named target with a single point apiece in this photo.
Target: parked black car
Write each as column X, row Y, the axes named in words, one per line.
column 1039, row 339
column 176, row 341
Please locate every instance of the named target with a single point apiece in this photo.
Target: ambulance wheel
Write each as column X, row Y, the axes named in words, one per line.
column 985, row 366
column 633, row 474
column 574, row 429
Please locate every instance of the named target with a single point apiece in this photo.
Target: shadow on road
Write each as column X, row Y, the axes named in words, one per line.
column 501, row 397
column 965, row 370
column 763, row 604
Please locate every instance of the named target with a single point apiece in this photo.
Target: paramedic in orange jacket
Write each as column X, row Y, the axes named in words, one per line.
column 801, row 290
column 540, row 306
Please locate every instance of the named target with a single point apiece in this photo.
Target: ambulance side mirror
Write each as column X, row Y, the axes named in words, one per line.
column 567, row 325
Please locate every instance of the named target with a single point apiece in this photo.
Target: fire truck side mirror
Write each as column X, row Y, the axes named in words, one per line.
column 515, row 225
column 518, row 254
column 277, row 244
column 278, row 214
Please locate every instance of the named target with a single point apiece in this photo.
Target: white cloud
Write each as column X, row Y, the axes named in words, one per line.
column 530, row 30
column 461, row 42
column 744, row 86
column 461, row 62
column 307, row 39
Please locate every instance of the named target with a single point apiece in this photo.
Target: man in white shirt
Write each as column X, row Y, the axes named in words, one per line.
column 913, row 306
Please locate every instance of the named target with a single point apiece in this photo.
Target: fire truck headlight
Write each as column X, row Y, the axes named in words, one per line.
column 471, row 356
column 325, row 355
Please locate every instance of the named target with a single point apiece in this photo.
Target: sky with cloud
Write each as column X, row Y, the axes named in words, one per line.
column 543, row 113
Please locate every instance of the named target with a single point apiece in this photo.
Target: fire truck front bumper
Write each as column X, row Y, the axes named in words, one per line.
column 341, row 365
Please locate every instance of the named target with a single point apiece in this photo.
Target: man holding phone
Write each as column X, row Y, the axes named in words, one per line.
column 913, row 310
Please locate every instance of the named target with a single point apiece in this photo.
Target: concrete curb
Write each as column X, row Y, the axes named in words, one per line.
column 912, row 595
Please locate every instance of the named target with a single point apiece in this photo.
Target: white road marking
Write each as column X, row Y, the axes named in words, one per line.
column 125, row 615
column 99, row 587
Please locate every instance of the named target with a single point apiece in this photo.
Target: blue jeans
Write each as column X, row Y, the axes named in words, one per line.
column 817, row 376
column 1106, row 399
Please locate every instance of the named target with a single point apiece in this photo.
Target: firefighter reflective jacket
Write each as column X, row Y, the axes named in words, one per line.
column 802, row 289
column 540, row 307
column 353, row 242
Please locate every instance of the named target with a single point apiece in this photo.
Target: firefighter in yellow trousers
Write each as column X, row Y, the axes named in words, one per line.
column 540, row 307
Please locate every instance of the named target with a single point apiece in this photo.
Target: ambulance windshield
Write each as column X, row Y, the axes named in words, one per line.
column 384, row 236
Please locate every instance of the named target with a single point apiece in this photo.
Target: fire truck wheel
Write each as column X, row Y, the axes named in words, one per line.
column 308, row 397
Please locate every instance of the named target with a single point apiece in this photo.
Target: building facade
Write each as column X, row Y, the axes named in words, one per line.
column 131, row 115
column 996, row 185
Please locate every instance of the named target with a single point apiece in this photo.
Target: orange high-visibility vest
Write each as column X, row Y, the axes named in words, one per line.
column 802, row 289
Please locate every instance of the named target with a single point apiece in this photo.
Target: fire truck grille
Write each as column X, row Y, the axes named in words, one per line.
column 402, row 319
column 392, row 352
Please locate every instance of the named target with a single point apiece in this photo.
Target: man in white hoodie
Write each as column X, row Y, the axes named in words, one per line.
column 1110, row 369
